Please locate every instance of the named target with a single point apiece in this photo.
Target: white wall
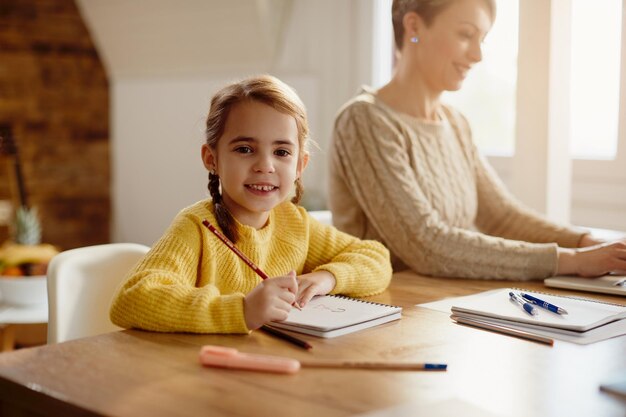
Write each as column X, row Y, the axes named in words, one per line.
column 159, row 105
column 156, row 138
column 160, row 92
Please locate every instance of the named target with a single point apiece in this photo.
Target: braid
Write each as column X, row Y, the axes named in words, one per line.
column 299, row 191
column 224, row 218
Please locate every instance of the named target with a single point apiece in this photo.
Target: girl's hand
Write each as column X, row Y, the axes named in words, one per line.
column 593, row 261
column 270, row 300
column 315, row 283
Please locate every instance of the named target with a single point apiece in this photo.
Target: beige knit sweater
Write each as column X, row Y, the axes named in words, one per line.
column 422, row 189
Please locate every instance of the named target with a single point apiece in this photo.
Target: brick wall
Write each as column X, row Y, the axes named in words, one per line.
column 54, row 96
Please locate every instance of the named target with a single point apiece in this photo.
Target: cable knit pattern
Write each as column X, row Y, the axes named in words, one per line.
column 192, row 282
column 422, row 189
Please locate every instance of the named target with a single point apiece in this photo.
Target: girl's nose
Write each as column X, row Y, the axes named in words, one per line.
column 264, row 164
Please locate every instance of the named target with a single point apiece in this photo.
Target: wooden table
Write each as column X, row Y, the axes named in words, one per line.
column 135, row 373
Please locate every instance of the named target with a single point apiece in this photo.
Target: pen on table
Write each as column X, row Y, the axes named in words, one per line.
column 287, row 337
column 379, row 365
column 239, row 253
column 503, row 329
column 544, row 304
column 525, row 305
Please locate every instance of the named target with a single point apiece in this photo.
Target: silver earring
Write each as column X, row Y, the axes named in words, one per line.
column 415, row 39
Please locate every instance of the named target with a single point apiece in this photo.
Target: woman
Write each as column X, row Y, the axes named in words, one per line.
column 404, row 169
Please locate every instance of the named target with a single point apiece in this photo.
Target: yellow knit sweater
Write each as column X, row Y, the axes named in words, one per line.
column 192, row 282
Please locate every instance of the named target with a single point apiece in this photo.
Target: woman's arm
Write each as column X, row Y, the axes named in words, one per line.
column 501, row 214
column 370, row 152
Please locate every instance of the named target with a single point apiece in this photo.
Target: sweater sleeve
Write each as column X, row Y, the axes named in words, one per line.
column 501, row 214
column 371, row 154
column 160, row 293
column 361, row 267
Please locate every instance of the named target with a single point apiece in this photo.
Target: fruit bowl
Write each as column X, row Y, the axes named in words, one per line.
column 22, row 291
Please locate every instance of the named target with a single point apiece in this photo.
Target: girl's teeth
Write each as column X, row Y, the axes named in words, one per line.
column 262, row 187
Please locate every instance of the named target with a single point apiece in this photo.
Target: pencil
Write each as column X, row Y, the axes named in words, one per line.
column 239, row 253
column 287, row 337
column 234, row 248
column 379, row 365
column 503, row 329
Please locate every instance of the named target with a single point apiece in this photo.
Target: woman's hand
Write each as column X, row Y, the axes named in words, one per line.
column 593, row 261
column 270, row 300
column 315, row 283
column 588, row 240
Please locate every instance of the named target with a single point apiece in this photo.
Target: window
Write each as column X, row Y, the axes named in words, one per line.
column 487, row 98
column 595, row 78
column 597, row 104
column 383, row 44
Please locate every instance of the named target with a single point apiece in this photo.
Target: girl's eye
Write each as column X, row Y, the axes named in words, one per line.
column 282, row 152
column 243, row 149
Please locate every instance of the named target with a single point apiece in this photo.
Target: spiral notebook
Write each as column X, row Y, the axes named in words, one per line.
column 496, row 306
column 333, row 315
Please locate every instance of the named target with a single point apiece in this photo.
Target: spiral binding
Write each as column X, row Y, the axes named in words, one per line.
column 362, row 301
column 571, row 297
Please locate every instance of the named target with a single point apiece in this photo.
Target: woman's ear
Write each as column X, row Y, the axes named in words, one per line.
column 412, row 24
column 208, row 158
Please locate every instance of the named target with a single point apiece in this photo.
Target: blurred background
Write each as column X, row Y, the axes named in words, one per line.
column 106, row 101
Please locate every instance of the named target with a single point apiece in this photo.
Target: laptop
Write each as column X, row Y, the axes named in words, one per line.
column 608, row 284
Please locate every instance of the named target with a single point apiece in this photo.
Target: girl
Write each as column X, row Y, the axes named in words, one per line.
column 255, row 153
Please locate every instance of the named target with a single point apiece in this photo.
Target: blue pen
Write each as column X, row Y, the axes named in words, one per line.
column 534, row 300
column 526, row 306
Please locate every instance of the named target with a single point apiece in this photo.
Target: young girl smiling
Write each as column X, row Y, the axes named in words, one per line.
column 255, row 153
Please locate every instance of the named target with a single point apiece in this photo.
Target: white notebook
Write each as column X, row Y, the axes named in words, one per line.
column 332, row 315
column 608, row 284
column 496, row 306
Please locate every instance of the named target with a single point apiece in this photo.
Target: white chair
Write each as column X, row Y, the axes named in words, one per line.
column 81, row 284
column 323, row 216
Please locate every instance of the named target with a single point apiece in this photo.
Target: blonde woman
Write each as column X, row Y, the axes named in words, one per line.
column 404, row 169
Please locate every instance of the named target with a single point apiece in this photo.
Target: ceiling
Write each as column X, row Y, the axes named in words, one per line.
column 137, row 38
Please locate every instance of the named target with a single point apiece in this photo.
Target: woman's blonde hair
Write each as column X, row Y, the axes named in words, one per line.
column 427, row 9
column 263, row 89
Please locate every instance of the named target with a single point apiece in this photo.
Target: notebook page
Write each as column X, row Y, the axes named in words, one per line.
column 332, row 312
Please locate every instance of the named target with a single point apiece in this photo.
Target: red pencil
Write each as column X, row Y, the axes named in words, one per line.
column 263, row 275
column 239, row 253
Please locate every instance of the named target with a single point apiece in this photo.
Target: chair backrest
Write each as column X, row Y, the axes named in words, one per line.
column 81, row 285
